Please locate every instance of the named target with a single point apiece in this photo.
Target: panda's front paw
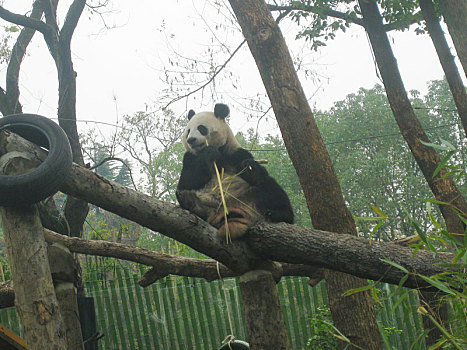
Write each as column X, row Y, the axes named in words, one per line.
column 252, row 172
column 210, row 154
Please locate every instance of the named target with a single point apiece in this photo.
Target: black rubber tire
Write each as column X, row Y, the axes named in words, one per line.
column 45, row 180
column 236, row 345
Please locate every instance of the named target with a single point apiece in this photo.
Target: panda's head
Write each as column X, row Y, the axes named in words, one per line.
column 209, row 128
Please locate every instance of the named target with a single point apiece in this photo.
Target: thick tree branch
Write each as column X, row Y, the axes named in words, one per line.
column 163, row 264
column 279, row 242
column 24, row 21
column 165, row 218
column 345, row 253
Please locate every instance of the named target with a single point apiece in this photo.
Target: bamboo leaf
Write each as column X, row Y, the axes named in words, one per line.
column 443, row 162
column 441, row 286
column 379, row 212
column 357, row 290
column 392, row 263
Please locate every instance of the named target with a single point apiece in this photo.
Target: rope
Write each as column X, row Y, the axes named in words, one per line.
column 230, row 337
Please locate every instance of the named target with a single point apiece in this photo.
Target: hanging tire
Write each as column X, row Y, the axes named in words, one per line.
column 235, row 345
column 46, row 179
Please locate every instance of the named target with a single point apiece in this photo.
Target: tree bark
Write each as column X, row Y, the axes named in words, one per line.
column 455, row 16
column 442, row 186
column 311, row 161
column 35, row 298
column 64, row 276
column 447, row 59
column 346, row 253
column 165, row 264
column 260, row 297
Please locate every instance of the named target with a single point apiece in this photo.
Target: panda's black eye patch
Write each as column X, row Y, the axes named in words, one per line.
column 203, row 130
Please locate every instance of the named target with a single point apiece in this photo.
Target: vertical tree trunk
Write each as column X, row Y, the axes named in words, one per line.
column 427, row 159
column 353, row 316
column 75, row 210
column 35, row 298
column 447, row 60
column 455, row 16
column 260, row 297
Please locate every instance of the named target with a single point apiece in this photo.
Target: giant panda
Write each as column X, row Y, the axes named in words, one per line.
column 251, row 194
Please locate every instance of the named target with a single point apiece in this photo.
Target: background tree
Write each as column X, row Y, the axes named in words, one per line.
column 446, row 58
column 455, row 14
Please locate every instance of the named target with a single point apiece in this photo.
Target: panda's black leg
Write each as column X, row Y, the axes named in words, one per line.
column 271, row 197
column 274, row 202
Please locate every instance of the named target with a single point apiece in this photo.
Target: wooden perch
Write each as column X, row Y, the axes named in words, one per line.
column 280, row 242
column 165, row 264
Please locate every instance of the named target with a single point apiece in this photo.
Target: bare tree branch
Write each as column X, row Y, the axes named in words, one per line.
column 214, row 75
column 24, row 21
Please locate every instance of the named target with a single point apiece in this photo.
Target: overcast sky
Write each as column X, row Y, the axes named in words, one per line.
column 120, row 70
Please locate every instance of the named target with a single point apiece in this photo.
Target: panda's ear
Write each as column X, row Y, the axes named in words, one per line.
column 191, row 113
column 221, row 111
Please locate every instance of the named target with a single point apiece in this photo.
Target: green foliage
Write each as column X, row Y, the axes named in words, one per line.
column 452, row 285
column 316, row 26
column 323, row 331
column 373, row 163
column 320, row 20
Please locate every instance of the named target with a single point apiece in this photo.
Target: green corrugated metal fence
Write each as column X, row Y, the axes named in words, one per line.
column 186, row 313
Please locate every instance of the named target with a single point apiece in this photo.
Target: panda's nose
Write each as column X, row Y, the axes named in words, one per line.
column 191, row 140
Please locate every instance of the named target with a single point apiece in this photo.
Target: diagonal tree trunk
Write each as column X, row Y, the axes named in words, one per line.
column 354, row 315
column 9, row 102
column 455, row 16
column 443, row 187
column 447, row 59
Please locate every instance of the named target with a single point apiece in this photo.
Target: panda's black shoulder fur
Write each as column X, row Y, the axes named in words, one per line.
column 270, row 197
